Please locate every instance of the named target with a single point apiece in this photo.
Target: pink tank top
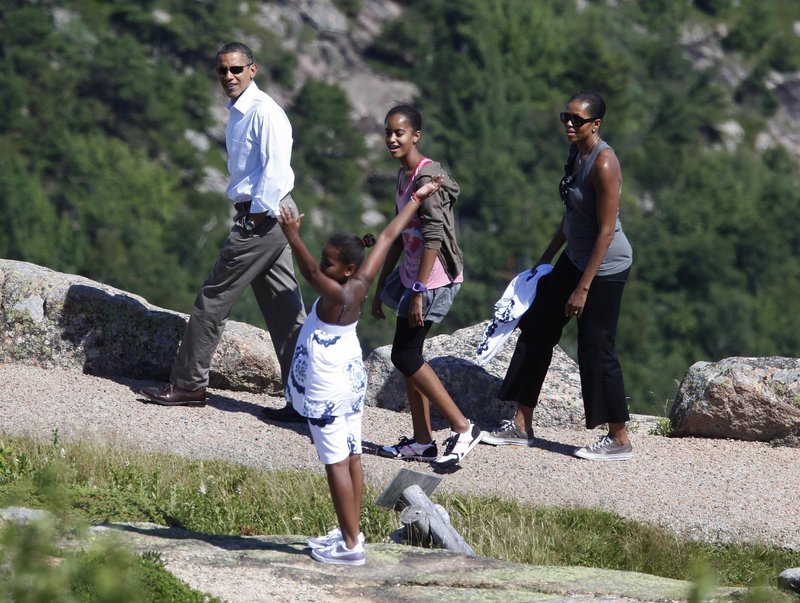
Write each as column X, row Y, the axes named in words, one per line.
column 413, row 242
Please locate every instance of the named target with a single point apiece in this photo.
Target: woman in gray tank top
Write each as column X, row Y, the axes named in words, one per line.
column 586, row 283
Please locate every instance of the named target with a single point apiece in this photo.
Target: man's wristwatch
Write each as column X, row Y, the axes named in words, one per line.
column 418, row 287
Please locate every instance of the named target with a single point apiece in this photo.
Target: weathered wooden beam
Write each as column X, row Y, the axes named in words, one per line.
column 391, row 497
column 431, row 520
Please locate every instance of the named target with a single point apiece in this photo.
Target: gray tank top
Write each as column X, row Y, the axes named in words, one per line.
column 580, row 222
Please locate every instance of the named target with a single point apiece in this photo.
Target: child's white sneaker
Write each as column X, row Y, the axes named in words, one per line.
column 338, row 553
column 458, row 445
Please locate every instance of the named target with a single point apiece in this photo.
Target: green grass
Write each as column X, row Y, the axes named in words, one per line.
column 84, row 484
column 34, row 569
column 663, row 427
column 591, row 538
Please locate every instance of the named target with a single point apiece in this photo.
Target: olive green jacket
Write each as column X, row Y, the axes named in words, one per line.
column 438, row 220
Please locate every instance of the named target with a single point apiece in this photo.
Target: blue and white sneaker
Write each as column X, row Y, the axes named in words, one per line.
column 337, row 553
column 320, row 542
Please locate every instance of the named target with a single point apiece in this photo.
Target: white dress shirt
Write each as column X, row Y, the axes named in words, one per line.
column 259, row 142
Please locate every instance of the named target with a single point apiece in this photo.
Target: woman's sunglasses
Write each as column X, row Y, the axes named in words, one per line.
column 577, row 120
column 234, row 69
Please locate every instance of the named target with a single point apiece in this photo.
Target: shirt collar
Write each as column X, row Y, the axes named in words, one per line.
column 245, row 100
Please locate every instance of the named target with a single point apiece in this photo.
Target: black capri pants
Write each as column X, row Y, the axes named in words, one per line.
column 602, row 385
column 407, row 346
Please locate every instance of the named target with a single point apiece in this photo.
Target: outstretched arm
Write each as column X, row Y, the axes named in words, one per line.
column 308, row 265
column 366, row 273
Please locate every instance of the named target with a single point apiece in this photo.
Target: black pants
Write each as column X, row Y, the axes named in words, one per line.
column 602, row 385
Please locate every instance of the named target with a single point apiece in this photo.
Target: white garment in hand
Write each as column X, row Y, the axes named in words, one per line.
column 516, row 300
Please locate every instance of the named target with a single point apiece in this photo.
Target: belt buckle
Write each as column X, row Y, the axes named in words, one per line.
column 242, row 218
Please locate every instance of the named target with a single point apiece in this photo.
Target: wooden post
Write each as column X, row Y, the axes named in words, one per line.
column 431, row 520
column 391, row 497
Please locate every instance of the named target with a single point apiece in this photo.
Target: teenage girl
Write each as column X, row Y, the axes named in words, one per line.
column 421, row 290
column 327, row 380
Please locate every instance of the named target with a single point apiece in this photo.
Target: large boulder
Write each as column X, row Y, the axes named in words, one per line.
column 55, row 319
column 755, row 399
column 789, row 580
column 474, row 388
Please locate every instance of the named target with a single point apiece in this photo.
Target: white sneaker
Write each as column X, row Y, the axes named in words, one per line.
column 458, row 445
column 320, row 542
column 338, row 554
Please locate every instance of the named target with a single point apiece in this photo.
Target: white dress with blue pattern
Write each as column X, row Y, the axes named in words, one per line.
column 327, row 378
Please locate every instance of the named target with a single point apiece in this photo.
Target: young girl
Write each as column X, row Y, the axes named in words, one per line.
column 327, row 380
column 421, row 290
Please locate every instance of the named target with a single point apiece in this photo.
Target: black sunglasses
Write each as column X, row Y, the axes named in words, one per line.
column 234, row 69
column 577, row 120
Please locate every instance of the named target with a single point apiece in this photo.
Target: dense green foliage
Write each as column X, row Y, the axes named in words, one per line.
column 104, row 161
column 83, row 484
column 96, row 176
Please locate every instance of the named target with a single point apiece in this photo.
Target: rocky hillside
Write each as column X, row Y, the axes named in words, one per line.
column 704, row 45
column 330, row 46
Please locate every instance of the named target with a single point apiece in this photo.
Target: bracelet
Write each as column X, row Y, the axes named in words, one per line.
column 415, row 198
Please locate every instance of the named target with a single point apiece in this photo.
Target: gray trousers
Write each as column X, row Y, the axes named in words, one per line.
column 263, row 261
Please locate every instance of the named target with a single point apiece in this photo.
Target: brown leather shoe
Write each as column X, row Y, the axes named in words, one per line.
column 172, row 395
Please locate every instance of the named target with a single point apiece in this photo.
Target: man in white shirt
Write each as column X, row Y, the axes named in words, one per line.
column 256, row 254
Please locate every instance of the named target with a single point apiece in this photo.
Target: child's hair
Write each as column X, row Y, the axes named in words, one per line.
column 351, row 248
column 410, row 113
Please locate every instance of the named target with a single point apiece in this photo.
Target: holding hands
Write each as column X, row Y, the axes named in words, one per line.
column 290, row 219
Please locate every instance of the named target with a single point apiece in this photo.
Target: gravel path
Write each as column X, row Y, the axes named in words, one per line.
column 713, row 490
